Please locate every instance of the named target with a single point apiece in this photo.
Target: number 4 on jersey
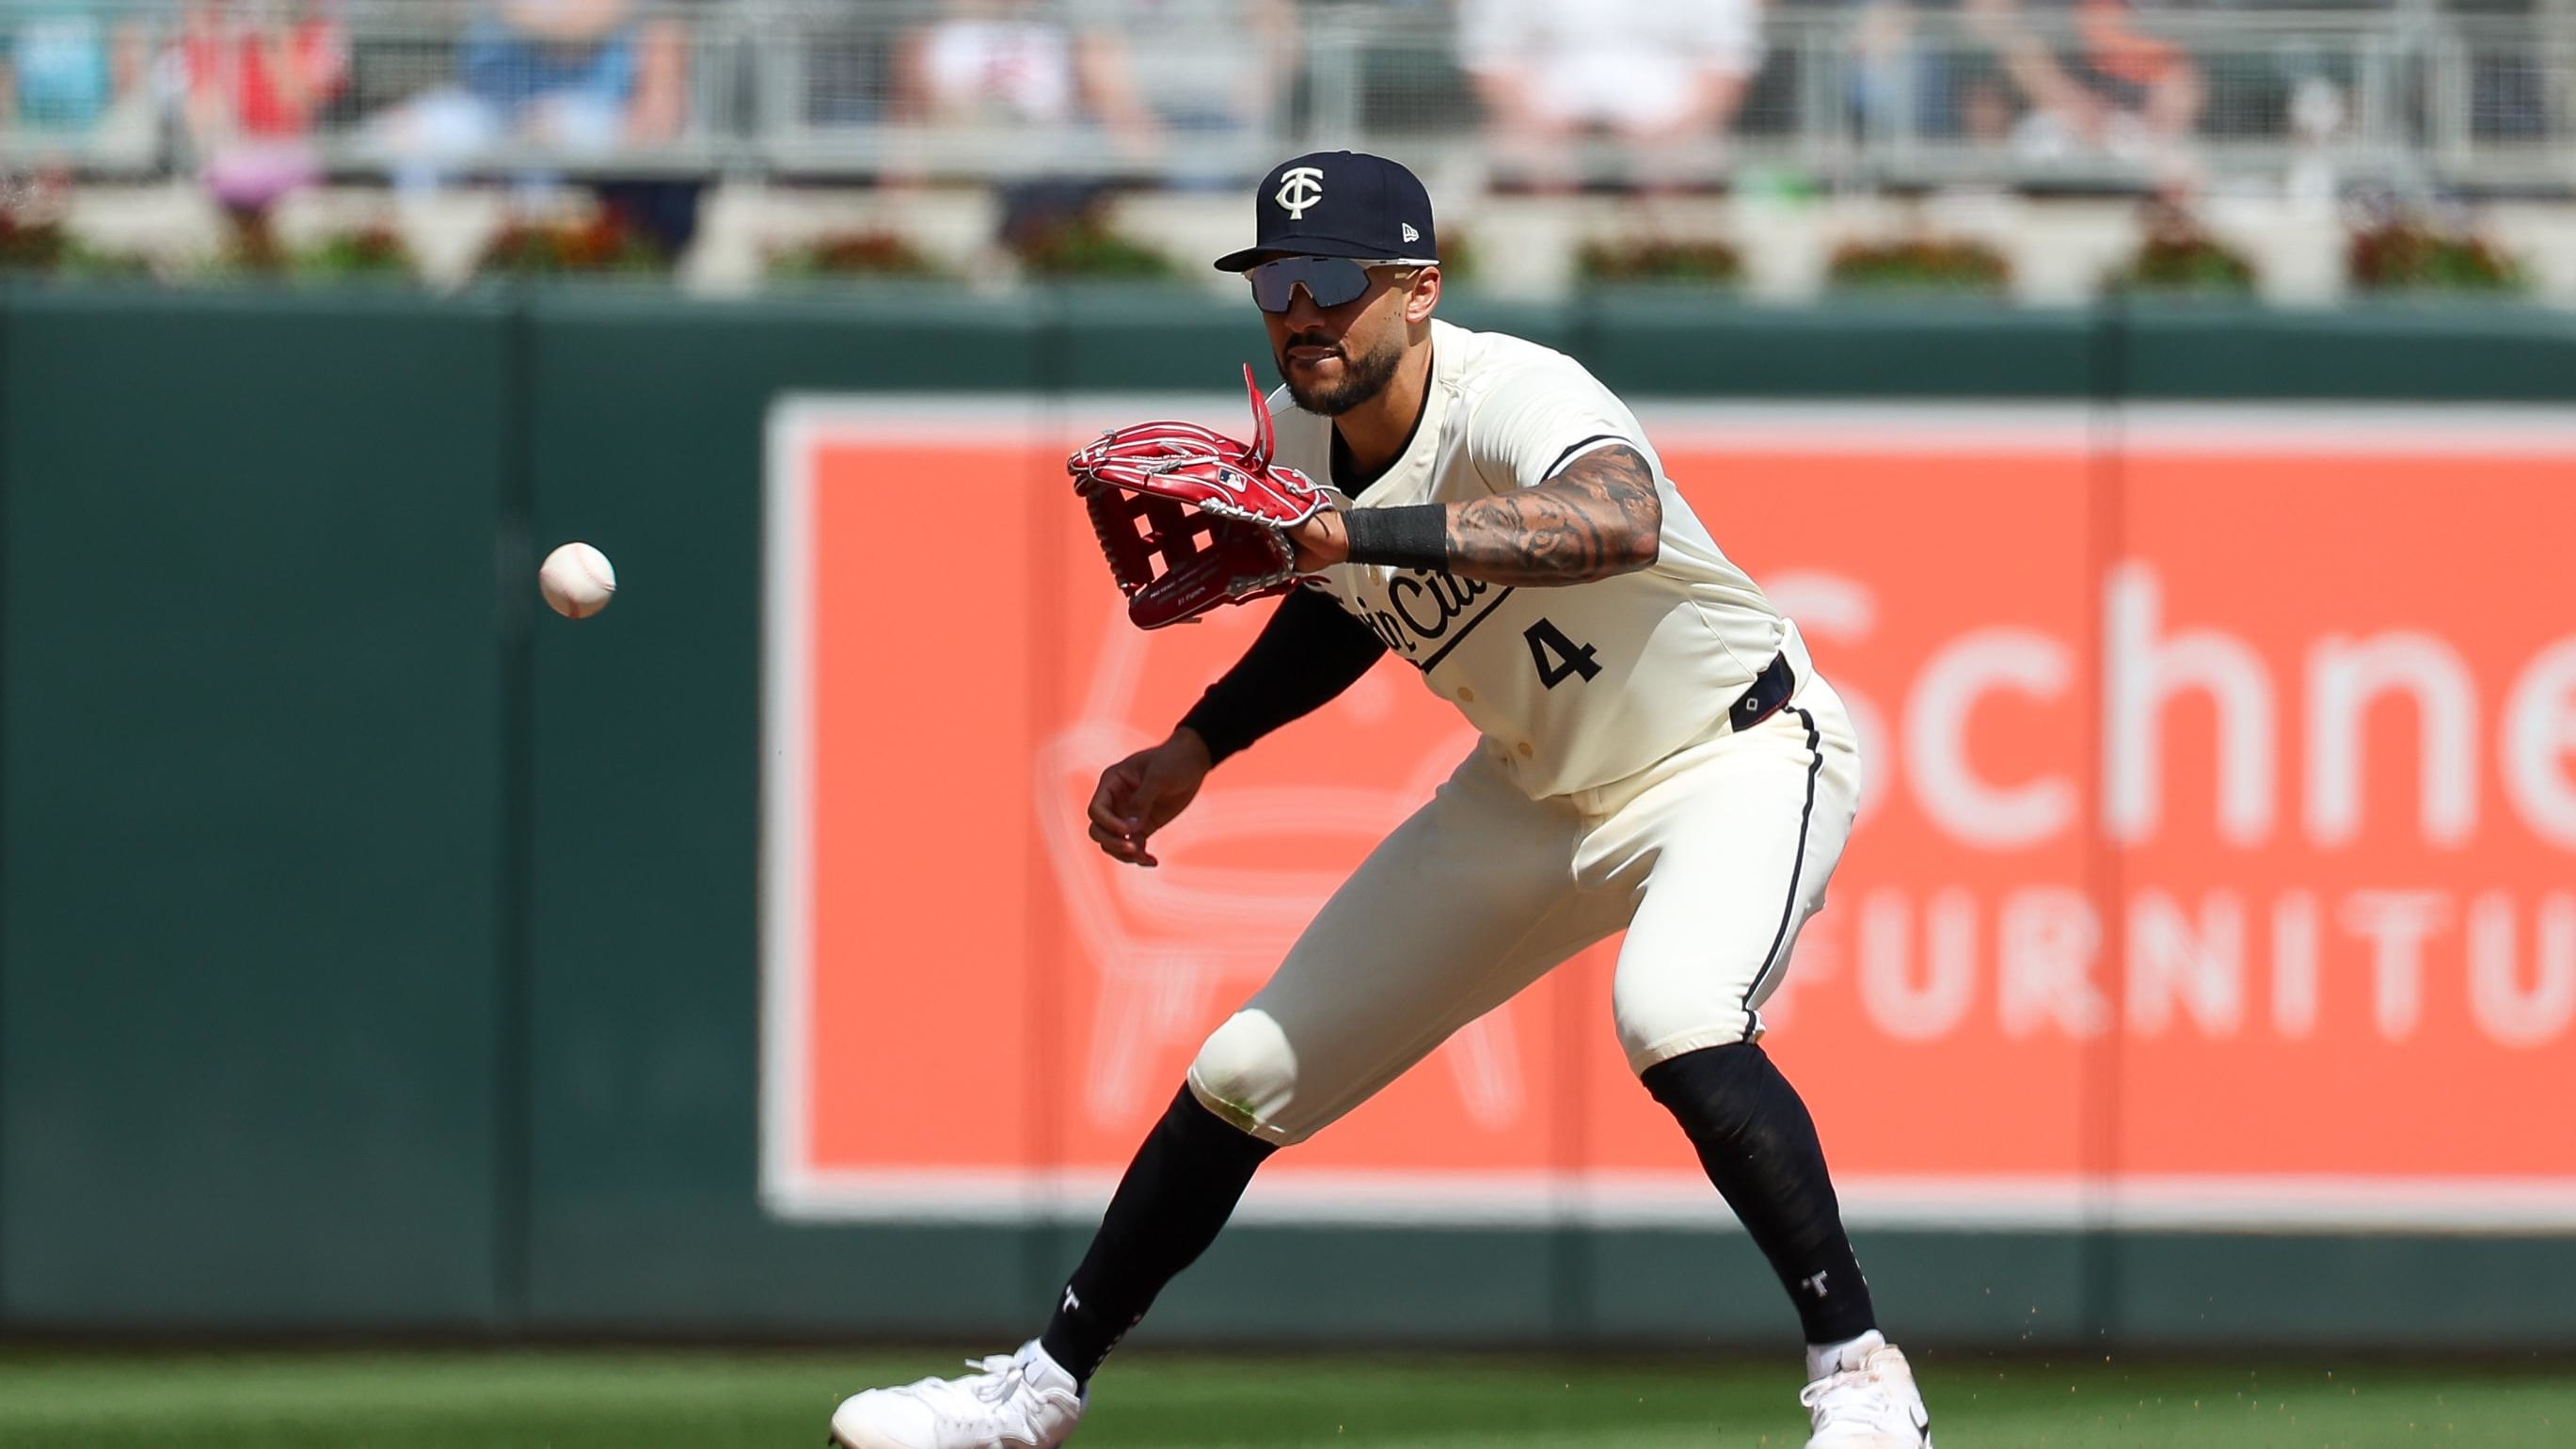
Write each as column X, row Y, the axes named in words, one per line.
column 1557, row 657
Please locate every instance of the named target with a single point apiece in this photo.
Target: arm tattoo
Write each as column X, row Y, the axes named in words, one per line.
column 1599, row 518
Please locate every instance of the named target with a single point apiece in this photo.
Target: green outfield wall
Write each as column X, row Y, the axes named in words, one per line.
column 373, row 960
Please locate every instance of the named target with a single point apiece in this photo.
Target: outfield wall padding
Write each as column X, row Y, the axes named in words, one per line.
column 374, row 959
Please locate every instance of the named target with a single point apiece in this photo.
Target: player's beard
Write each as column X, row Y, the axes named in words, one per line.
column 1364, row 376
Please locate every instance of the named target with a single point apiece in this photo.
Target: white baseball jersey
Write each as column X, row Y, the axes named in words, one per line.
column 1574, row 686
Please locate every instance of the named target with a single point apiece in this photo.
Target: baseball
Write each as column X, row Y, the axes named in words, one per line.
column 577, row 581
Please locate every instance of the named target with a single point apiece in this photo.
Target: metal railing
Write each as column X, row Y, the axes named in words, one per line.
column 1875, row 95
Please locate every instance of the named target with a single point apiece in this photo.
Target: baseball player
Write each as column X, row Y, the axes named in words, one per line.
column 1657, row 755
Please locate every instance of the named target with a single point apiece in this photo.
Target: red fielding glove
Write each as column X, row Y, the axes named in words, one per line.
column 1189, row 518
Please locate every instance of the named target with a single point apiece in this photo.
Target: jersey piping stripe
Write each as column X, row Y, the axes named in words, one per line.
column 1567, row 456
column 1789, row 908
column 1427, row 665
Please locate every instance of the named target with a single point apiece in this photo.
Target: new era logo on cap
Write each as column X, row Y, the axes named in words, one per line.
column 1339, row 204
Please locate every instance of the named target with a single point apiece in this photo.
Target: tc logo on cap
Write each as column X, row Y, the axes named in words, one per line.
column 1301, row 188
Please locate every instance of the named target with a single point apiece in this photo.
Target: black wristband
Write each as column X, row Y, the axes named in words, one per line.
column 1415, row 536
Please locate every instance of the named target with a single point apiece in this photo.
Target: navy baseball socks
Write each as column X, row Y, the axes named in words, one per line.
column 1172, row 1203
column 1753, row 1136
column 1759, row 1147
column 1751, row 1131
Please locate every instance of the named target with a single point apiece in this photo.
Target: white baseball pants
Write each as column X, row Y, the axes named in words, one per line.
column 1710, row 859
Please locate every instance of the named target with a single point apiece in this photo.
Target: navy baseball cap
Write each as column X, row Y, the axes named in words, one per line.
column 1338, row 204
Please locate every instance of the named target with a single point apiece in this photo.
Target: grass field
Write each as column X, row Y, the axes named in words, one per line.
column 726, row 1400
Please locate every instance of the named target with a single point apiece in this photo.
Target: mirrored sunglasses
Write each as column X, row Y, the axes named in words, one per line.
column 1331, row 281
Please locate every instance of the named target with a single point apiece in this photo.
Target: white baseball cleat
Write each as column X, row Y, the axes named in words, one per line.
column 1017, row 1401
column 1867, row 1400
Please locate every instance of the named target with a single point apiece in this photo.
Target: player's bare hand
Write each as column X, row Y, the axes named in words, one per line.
column 1321, row 541
column 1143, row 792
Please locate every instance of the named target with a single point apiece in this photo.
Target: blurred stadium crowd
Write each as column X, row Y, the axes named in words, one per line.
column 1542, row 93
column 255, row 99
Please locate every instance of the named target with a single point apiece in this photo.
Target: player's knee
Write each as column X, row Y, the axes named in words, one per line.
column 1656, row 1023
column 1246, row 1072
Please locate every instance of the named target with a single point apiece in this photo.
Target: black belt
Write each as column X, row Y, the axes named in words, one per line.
column 1769, row 692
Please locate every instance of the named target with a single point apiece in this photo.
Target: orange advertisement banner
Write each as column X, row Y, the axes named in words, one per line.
column 2214, row 866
